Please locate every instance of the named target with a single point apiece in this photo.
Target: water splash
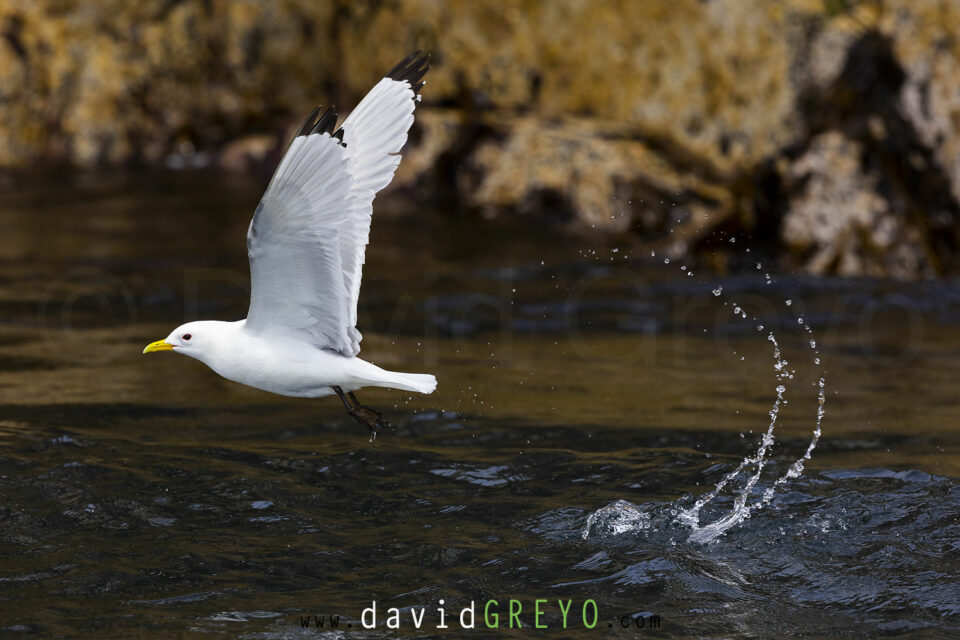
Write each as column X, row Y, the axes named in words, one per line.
column 741, row 510
column 621, row 516
column 617, row 517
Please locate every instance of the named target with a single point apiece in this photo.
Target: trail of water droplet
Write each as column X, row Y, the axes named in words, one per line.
column 741, row 510
column 797, row 467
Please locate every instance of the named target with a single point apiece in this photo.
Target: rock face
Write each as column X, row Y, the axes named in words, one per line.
column 113, row 81
column 868, row 194
column 839, row 221
column 825, row 131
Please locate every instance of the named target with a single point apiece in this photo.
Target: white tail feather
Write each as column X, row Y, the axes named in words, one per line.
column 419, row 382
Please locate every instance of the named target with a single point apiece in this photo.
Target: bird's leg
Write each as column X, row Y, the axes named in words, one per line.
column 343, row 398
column 364, row 415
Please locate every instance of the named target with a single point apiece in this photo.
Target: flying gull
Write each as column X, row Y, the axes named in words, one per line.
column 306, row 247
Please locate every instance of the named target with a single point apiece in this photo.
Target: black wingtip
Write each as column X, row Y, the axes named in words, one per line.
column 308, row 124
column 411, row 69
column 327, row 122
column 321, row 123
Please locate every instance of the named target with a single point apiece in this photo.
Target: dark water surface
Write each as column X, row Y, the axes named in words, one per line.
column 143, row 496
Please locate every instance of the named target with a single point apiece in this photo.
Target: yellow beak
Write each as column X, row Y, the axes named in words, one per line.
column 159, row 345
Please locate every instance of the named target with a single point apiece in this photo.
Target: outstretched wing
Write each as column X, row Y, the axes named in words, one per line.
column 307, row 239
column 297, row 287
column 374, row 134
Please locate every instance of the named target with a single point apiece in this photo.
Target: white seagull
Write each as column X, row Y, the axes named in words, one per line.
column 306, row 245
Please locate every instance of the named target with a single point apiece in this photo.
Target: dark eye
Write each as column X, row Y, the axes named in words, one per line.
column 187, row 336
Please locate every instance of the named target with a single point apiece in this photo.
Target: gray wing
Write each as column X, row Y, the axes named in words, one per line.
column 307, row 240
column 296, row 270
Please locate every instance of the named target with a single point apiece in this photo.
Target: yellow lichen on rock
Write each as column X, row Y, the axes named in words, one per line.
column 108, row 81
column 713, row 76
column 592, row 167
column 666, row 117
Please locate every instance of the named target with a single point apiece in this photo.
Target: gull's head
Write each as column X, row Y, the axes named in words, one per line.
column 193, row 339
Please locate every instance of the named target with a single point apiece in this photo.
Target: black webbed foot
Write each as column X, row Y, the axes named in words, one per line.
column 366, row 416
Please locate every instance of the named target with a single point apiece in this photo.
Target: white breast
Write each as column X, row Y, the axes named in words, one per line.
column 277, row 364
